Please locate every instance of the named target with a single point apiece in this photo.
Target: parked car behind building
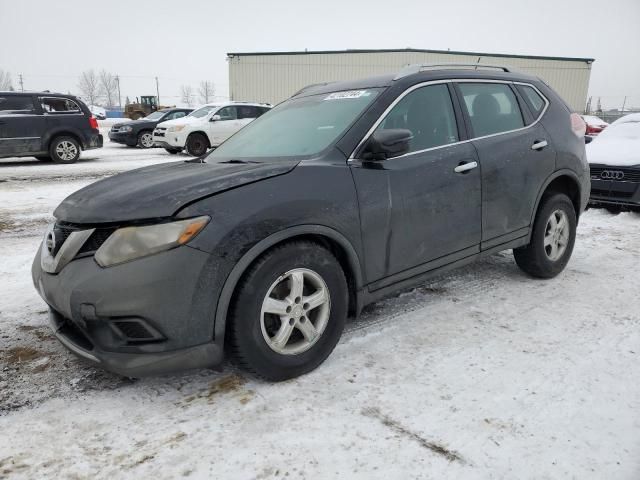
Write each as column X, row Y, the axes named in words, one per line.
column 139, row 132
column 614, row 158
column 207, row 127
column 48, row 126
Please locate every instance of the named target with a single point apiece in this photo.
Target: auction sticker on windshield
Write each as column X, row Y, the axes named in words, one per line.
column 348, row 94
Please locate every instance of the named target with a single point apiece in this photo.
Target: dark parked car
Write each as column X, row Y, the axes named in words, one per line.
column 139, row 132
column 337, row 197
column 48, row 126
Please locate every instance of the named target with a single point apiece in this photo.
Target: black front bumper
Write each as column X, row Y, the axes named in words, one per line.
column 92, row 310
column 606, row 192
column 127, row 138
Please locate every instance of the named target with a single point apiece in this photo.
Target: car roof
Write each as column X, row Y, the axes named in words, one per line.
column 413, row 74
column 43, row 93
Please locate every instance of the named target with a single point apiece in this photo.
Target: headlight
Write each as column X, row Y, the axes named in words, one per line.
column 126, row 128
column 129, row 243
column 177, row 128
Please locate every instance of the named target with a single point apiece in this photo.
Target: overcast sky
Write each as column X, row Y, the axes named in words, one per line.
column 183, row 42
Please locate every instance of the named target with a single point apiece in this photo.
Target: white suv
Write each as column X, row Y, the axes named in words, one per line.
column 206, row 127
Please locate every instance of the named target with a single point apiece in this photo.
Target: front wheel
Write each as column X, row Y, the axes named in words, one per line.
column 552, row 239
column 145, row 140
column 64, row 150
column 289, row 311
column 197, row 144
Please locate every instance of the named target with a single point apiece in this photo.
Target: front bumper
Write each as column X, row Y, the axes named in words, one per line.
column 167, row 139
column 99, row 313
column 124, row 138
column 624, row 192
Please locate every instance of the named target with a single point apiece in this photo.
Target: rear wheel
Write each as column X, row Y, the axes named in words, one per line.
column 64, row 150
column 552, row 239
column 145, row 139
column 173, row 151
column 197, row 144
column 289, row 311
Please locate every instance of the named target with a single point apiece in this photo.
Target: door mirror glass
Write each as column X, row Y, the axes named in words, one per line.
column 387, row 143
column 215, row 118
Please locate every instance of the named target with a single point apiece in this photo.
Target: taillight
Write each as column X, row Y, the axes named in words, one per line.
column 577, row 125
column 93, row 122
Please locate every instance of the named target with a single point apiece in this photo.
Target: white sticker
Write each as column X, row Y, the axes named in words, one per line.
column 347, row 94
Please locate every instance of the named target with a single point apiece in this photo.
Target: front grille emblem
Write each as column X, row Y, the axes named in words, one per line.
column 612, row 175
column 50, row 242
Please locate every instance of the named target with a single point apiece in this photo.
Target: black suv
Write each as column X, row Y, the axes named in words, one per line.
column 48, row 126
column 337, row 197
column 139, row 132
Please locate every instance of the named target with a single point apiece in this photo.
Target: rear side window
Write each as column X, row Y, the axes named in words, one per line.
column 492, row 108
column 16, row 105
column 248, row 111
column 535, row 102
column 59, row 105
column 428, row 113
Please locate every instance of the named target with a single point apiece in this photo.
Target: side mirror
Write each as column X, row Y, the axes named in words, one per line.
column 588, row 139
column 389, row 143
column 215, row 118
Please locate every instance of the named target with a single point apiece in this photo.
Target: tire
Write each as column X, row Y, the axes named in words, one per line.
column 64, row 150
column 145, row 139
column 197, row 144
column 613, row 210
column 252, row 333
column 173, row 151
column 44, row 158
column 547, row 261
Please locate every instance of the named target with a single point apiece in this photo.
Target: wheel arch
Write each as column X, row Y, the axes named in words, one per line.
column 563, row 181
column 201, row 132
column 325, row 236
column 64, row 133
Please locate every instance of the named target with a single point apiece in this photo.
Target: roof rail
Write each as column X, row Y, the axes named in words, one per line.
column 307, row 87
column 419, row 67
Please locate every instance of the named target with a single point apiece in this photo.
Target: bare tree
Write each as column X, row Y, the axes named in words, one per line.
column 206, row 91
column 108, row 88
column 187, row 95
column 5, row 80
column 89, row 86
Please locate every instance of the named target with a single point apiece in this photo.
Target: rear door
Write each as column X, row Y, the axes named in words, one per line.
column 516, row 155
column 21, row 127
column 62, row 113
column 420, row 210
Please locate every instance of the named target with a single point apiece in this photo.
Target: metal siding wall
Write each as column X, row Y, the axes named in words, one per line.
column 274, row 78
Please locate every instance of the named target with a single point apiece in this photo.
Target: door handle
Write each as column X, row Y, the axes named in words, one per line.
column 539, row 145
column 465, row 167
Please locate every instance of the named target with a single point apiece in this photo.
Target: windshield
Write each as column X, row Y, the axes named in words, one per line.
column 154, row 116
column 298, row 127
column 202, row 112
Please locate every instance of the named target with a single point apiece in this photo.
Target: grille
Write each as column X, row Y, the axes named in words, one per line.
column 94, row 242
column 630, row 174
column 610, row 193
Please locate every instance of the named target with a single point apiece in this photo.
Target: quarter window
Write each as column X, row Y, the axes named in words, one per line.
column 428, row 113
column 16, row 105
column 248, row 111
column 59, row 105
column 533, row 99
column 492, row 108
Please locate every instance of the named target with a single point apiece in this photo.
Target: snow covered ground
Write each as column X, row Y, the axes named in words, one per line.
column 482, row 373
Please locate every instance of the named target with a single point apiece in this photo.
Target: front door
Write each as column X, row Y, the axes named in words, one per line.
column 420, row 210
column 225, row 126
column 21, row 128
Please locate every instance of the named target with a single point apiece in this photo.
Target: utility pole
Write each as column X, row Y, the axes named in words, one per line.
column 157, row 92
column 119, row 97
column 21, row 83
column 624, row 102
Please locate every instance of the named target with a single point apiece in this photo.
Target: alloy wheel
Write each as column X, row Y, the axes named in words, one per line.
column 295, row 311
column 66, row 150
column 556, row 236
column 146, row 140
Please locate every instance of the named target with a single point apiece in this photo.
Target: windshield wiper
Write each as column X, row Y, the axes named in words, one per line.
column 235, row 160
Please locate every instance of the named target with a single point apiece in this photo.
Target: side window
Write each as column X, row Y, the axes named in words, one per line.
column 263, row 110
column 492, row 108
column 228, row 113
column 535, row 102
column 179, row 115
column 16, row 105
column 247, row 111
column 428, row 113
column 59, row 105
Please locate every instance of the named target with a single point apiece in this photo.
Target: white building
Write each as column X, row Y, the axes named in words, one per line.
column 274, row 76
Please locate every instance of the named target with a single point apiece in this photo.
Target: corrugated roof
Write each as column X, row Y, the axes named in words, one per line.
column 412, row 50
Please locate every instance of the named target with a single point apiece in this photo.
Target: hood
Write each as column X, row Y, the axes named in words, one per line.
column 181, row 121
column 619, row 152
column 160, row 190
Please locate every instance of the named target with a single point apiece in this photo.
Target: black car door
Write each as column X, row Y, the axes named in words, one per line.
column 421, row 209
column 21, row 128
column 516, row 158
